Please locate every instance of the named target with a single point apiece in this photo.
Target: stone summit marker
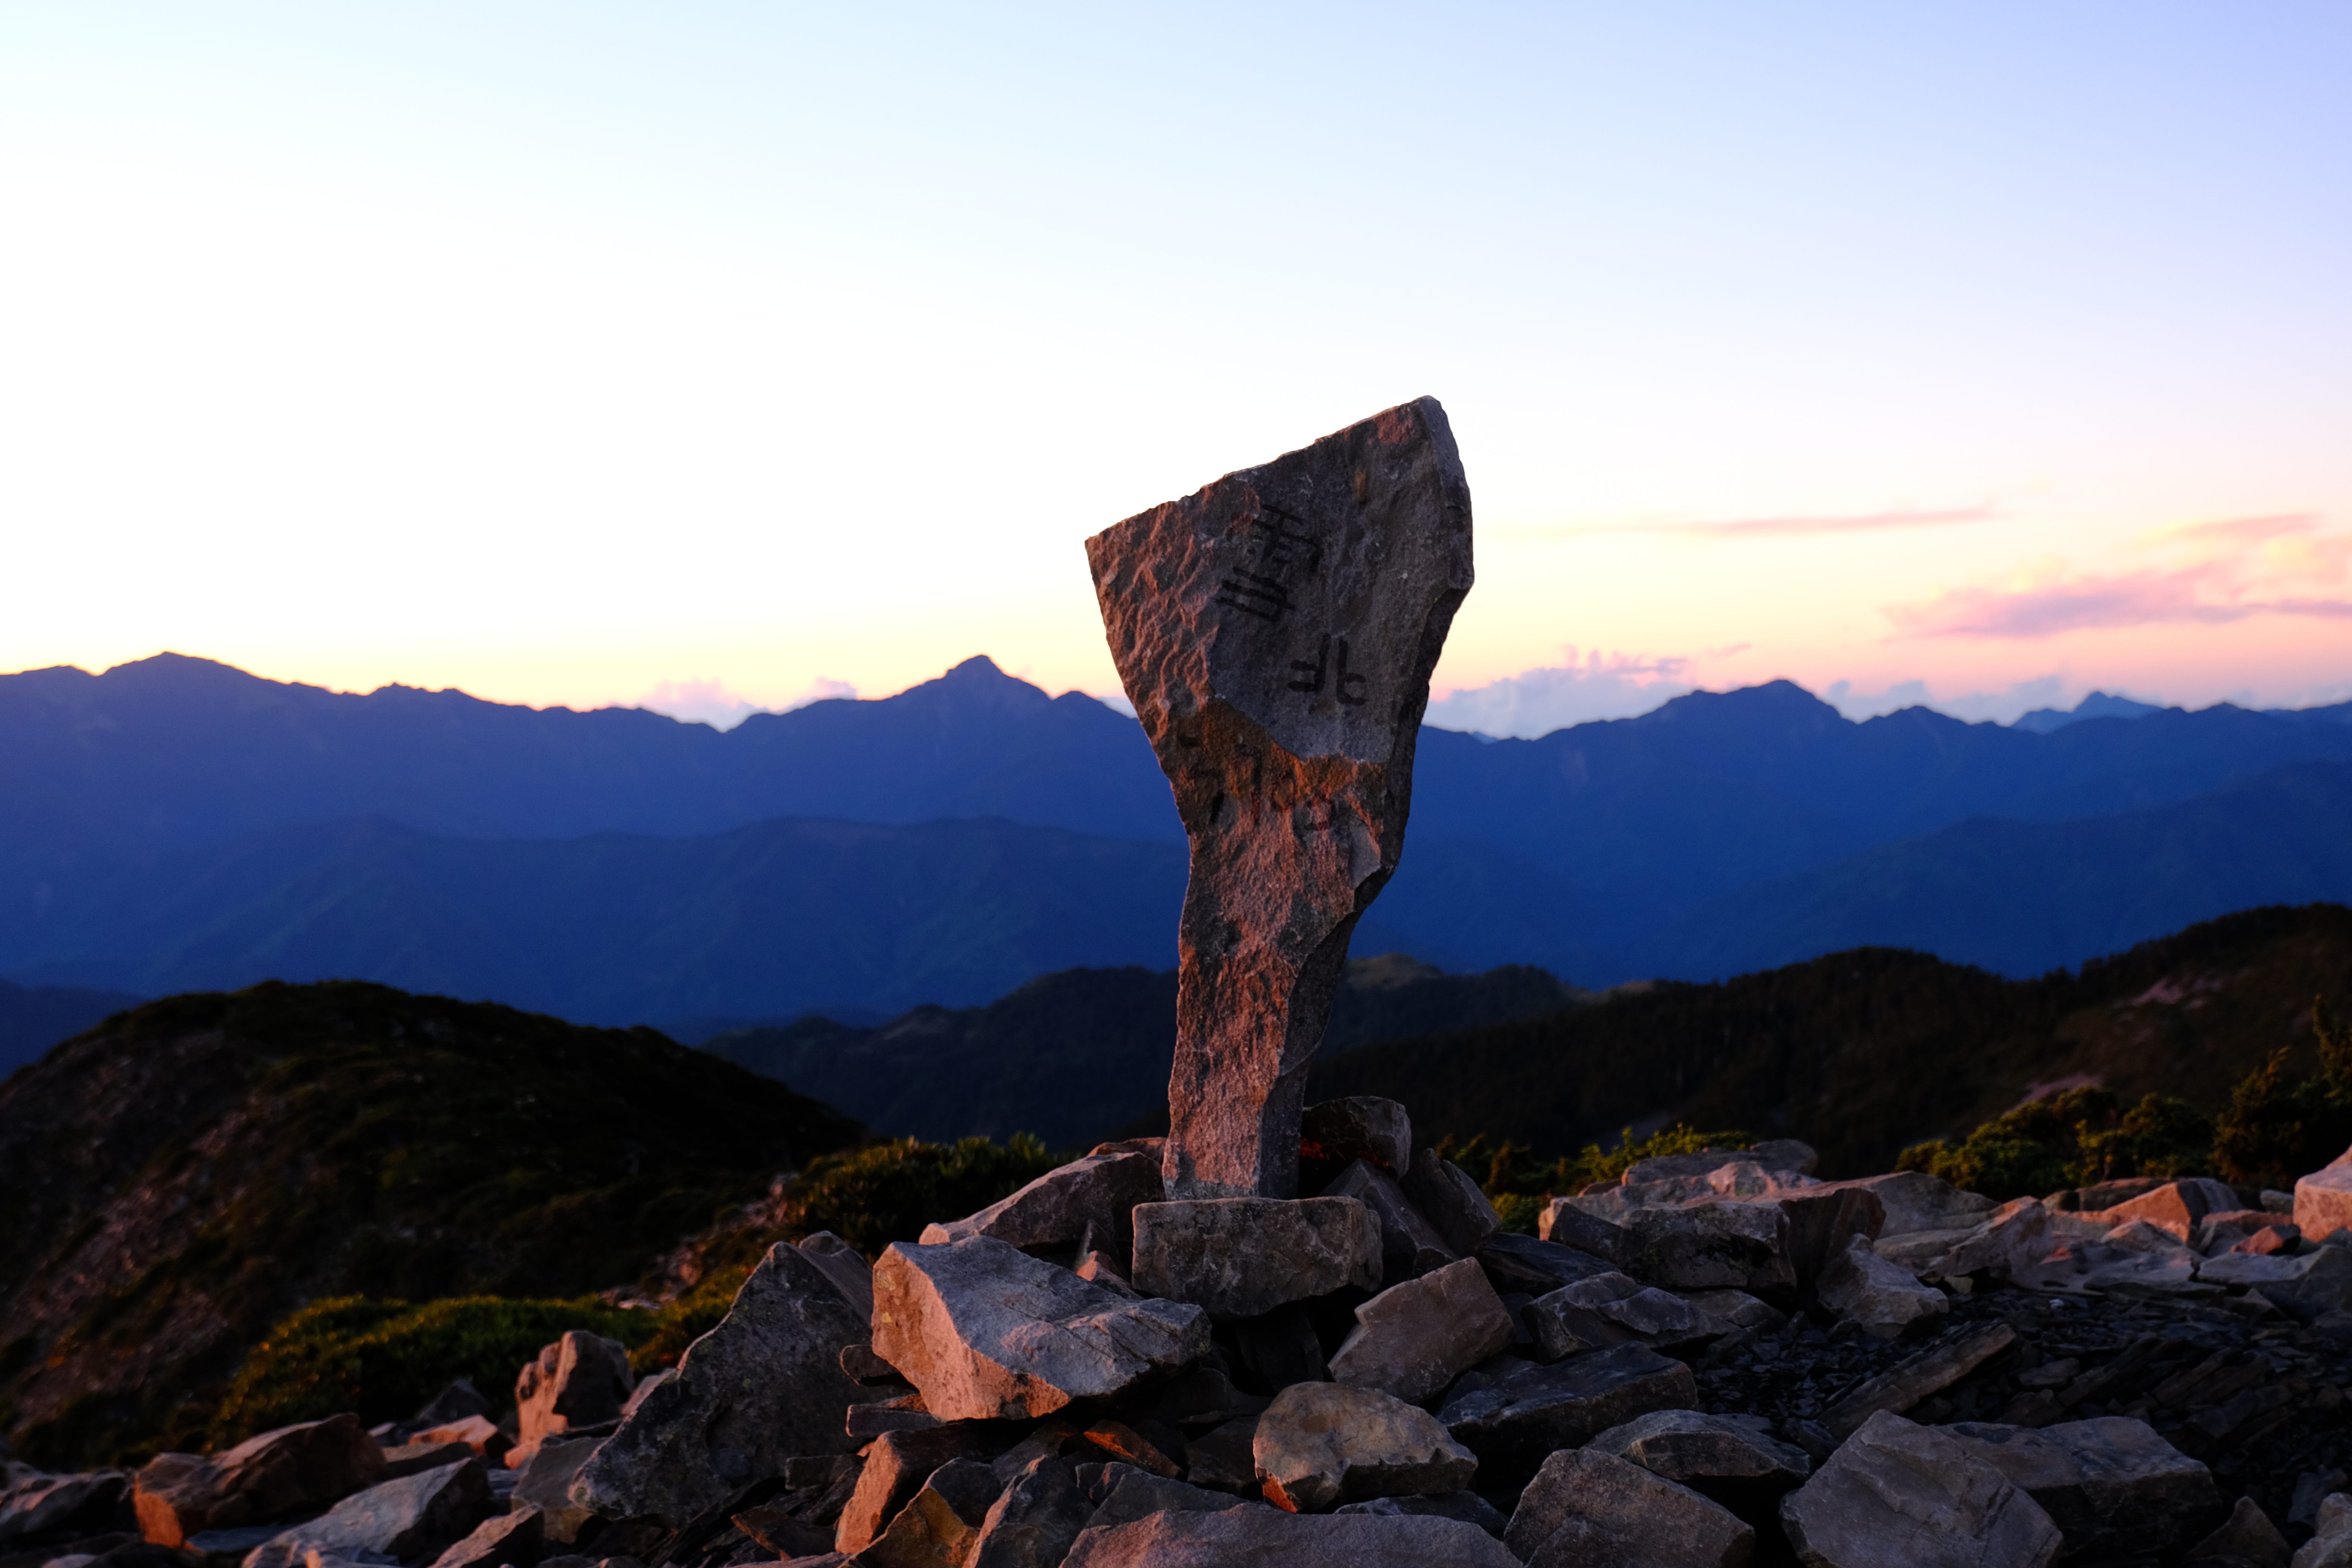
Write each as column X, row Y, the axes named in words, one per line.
column 1275, row 632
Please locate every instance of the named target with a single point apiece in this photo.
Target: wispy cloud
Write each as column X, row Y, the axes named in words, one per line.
column 710, row 702
column 1537, row 701
column 2250, row 529
column 1797, row 527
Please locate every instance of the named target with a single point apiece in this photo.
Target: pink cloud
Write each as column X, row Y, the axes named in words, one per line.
column 2194, row 596
column 2272, row 526
column 1799, row 527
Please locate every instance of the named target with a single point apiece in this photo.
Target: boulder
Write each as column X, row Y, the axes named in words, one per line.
column 1916, row 1377
column 1712, row 1243
column 1142, row 1443
column 2319, row 1281
column 984, row 1331
column 1883, row 1298
column 514, row 1539
column 1590, row 1510
column 2330, row 1545
column 2112, row 1486
column 844, row 1267
column 545, row 1482
column 2323, row 1200
column 1563, row 1222
column 1320, row 1445
column 1410, row 1246
column 1718, row 1457
column 415, row 1518
column 1275, row 632
column 1899, row 1495
column 1056, row 1210
column 2247, row 1539
column 764, row 1386
column 940, row 1523
column 36, row 1505
column 1033, row 1522
column 1513, row 1416
column 1359, row 1127
column 1823, row 1224
column 279, row 1474
column 1129, row 1494
column 581, row 1380
column 1914, row 1201
column 1631, row 1309
column 1537, row 1268
column 1246, row 1537
column 897, row 1464
column 2013, row 1237
column 1449, row 1198
column 1562, row 1327
column 2177, row 1207
column 1413, row 1339
column 1466, row 1506
column 1242, row 1258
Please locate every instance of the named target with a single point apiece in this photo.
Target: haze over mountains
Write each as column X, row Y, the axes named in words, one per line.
column 176, row 825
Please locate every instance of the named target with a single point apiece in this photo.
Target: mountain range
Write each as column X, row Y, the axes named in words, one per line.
column 175, row 824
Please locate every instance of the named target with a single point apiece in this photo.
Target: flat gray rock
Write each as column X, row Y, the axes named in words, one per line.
column 1033, row 1521
column 1246, row 1537
column 414, row 1518
column 38, row 1505
column 763, row 1386
column 986, row 1331
column 1537, row 1268
column 1590, row 1510
column 1322, row 1444
column 1275, row 632
column 1410, row 1246
column 1449, row 1198
column 1129, row 1494
column 1731, row 1462
column 1712, row 1243
column 503, row 1538
column 279, row 1474
column 1899, row 1495
column 1866, row 1289
column 1915, row 1378
column 1413, row 1339
column 2113, row 1485
column 1057, row 1209
column 1515, row 1420
column 1242, row 1258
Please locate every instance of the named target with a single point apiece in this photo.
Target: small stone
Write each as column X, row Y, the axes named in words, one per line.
column 1712, row 1243
column 1033, row 1521
column 1448, row 1197
column 986, row 1331
column 2247, row 1539
column 1466, row 1506
column 1241, row 1257
column 1247, row 1537
column 764, row 1386
column 896, row 1465
column 1524, row 1263
column 1883, row 1298
column 1915, row 1378
column 1512, row 1419
column 1898, row 1495
column 581, row 1380
column 1563, row 1222
column 1323, row 1444
column 940, row 1523
column 1592, row 1510
column 415, row 1518
column 1413, row 1339
column 1410, row 1246
column 287, row 1472
column 1275, row 632
column 513, row 1539
column 1728, row 1461
column 1055, row 1210
column 2112, row 1486
column 1359, row 1127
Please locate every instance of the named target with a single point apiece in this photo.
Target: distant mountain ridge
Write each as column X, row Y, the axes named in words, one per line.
column 177, row 823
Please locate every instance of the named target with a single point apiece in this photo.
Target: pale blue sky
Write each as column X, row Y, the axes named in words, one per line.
column 557, row 352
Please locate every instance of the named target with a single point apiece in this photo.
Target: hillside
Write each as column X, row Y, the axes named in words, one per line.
column 1074, row 1057
column 185, row 1174
column 1860, row 1053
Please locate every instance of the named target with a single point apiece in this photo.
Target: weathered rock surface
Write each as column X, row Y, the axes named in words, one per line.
column 1410, row 1246
column 1565, row 1222
column 1056, row 1209
column 2330, row 1545
column 2177, row 1207
column 895, row 1466
column 1512, row 1418
column 37, row 1505
column 1448, row 1196
column 415, row 1517
column 1466, row 1506
column 1535, row 1266
column 1899, row 1495
column 1590, row 1510
column 984, row 1331
column 763, row 1386
column 1359, row 1127
column 514, row 1538
column 2112, row 1486
column 1713, row 1244
column 1413, row 1339
column 1865, row 1289
column 581, row 1380
column 1033, row 1522
column 276, row 1474
column 1914, row 1201
column 1275, row 632
column 1915, row 1378
column 941, row 1523
column 545, row 1482
column 1322, row 1444
column 844, row 1266
column 1733, row 1463
column 1245, row 1537
column 1242, row 1258
column 423, row 1454
column 1129, row 1494
column 2323, row 1200
column 2247, row 1539
column 1629, row 1309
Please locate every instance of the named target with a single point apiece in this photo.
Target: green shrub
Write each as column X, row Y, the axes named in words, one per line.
column 2071, row 1140
column 386, row 1359
column 2276, row 1128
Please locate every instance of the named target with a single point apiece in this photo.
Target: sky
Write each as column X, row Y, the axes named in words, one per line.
column 721, row 357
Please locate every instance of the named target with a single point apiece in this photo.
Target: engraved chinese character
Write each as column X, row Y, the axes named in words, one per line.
column 1253, row 594
column 1349, row 688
